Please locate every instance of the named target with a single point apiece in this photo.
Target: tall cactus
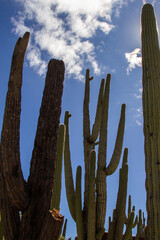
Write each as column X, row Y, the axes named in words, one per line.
column 151, row 116
column 95, row 195
column 116, row 226
column 31, row 197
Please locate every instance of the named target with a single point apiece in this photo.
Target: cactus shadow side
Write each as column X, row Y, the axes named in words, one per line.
column 32, row 198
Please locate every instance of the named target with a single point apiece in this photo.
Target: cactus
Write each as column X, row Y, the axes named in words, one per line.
column 116, row 226
column 129, row 219
column 33, row 197
column 56, row 191
column 90, row 224
column 151, row 116
column 1, row 228
column 140, row 226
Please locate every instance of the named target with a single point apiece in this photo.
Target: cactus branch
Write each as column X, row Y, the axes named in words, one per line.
column 10, row 148
column 79, row 213
column 111, row 168
column 70, row 192
column 56, row 191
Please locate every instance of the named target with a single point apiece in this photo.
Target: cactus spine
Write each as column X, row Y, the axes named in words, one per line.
column 95, row 195
column 151, row 116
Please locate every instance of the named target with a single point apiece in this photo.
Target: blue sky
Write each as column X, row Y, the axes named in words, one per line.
column 103, row 36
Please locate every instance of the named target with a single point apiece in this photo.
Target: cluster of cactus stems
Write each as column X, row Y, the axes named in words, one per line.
column 90, row 218
column 18, row 195
column 116, row 226
column 32, row 197
column 151, row 116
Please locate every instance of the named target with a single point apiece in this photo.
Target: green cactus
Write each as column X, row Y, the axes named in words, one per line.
column 151, row 116
column 129, row 219
column 116, row 226
column 90, row 220
column 56, row 191
column 140, row 226
column 128, row 232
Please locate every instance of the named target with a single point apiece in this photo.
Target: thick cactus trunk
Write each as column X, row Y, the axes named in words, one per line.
column 151, row 114
column 32, row 198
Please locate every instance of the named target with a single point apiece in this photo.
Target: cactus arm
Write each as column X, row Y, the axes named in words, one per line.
column 91, row 200
column 111, row 168
column 97, row 122
column 11, row 129
column 56, row 191
column 70, row 192
column 128, row 232
column 79, row 213
column 86, row 118
column 129, row 205
column 121, row 198
column 139, row 226
column 111, row 230
column 135, row 222
column 101, row 176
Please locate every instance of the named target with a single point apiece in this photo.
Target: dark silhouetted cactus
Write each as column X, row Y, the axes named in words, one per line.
column 32, row 198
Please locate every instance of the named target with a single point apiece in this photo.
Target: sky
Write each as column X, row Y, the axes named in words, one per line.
column 102, row 35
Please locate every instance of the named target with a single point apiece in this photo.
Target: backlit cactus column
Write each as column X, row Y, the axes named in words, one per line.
column 151, row 114
column 32, row 197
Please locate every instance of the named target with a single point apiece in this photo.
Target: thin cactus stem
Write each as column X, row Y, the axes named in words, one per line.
column 56, row 191
column 69, row 183
column 121, row 198
column 139, row 226
column 79, row 212
column 91, row 200
column 116, row 226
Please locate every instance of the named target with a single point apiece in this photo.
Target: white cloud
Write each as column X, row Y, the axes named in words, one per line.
column 139, row 116
column 64, row 30
column 133, row 59
column 139, row 94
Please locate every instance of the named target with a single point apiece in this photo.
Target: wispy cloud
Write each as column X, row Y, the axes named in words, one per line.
column 139, row 116
column 65, row 30
column 133, row 59
column 139, row 94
